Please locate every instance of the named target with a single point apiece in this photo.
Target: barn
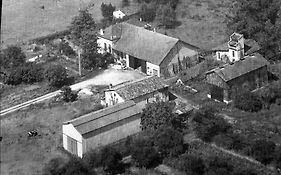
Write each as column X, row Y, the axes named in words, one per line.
column 100, row 128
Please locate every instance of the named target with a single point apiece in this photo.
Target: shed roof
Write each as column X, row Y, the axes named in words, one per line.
column 133, row 89
column 101, row 118
column 144, row 44
column 241, row 67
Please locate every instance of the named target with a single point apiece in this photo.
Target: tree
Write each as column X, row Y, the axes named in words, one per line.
column 169, row 142
column 263, row 151
column 208, row 124
column 218, row 166
column 191, row 164
column 247, row 101
column 57, row 76
column 166, row 16
column 147, row 13
column 64, row 48
column 156, row 115
column 145, row 154
column 111, row 160
column 26, row 73
column 107, row 11
column 68, row 95
column 259, row 20
column 81, row 23
column 12, row 57
column 125, row 3
column 74, row 166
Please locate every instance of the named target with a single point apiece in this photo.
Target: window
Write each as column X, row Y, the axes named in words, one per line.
column 155, row 72
column 109, row 48
column 72, row 145
column 105, row 47
column 233, row 53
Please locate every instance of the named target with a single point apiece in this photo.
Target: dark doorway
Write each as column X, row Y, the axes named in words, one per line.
column 136, row 63
column 217, row 93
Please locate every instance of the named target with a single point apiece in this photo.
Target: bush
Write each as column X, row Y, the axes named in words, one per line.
column 111, row 160
column 191, row 164
column 57, row 76
column 27, row 73
column 145, row 154
column 147, row 13
column 60, row 166
column 247, row 101
column 93, row 159
column 169, row 142
column 68, row 95
column 66, row 49
column 208, row 124
column 107, row 11
column 263, row 151
column 12, row 57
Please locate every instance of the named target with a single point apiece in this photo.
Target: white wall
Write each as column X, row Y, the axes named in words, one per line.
column 70, row 131
column 219, row 54
column 150, row 67
column 101, row 41
column 111, row 98
column 118, row 14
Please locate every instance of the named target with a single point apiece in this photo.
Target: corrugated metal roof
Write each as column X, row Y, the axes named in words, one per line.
column 241, row 67
column 101, row 118
column 140, row 87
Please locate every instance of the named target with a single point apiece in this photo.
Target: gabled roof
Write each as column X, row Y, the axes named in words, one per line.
column 144, row 44
column 133, row 89
column 249, row 63
column 101, row 118
column 130, row 10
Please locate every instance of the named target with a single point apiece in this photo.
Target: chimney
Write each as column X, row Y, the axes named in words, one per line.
column 101, row 32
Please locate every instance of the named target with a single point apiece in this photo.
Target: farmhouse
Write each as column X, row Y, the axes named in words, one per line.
column 148, row 51
column 126, row 12
column 249, row 72
column 141, row 91
column 101, row 127
column 235, row 48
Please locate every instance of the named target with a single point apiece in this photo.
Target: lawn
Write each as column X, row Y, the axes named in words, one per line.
column 202, row 22
column 24, row 20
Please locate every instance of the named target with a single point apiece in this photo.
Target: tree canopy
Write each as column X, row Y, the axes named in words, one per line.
column 12, row 57
column 107, row 11
column 56, row 75
column 259, row 20
column 157, row 115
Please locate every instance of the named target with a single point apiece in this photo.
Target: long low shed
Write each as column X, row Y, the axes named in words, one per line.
column 101, row 127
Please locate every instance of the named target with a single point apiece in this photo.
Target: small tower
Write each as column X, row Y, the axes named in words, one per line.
column 236, row 47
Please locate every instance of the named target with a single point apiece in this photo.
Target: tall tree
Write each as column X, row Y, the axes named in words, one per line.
column 12, row 57
column 80, row 24
column 107, row 11
column 166, row 16
column 259, row 20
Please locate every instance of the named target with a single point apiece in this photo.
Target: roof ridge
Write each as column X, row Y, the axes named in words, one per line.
column 101, row 110
column 133, row 81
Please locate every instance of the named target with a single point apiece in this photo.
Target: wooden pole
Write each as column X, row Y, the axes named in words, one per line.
column 79, row 62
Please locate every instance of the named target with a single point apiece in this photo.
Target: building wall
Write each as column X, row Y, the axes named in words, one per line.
column 112, row 98
column 152, row 69
column 176, row 54
column 118, row 14
column 220, row 54
column 250, row 81
column 70, row 131
column 123, row 130
column 102, row 42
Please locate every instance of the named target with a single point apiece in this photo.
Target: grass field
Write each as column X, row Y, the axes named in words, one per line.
column 25, row 19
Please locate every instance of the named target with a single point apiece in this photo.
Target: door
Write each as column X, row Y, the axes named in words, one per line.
column 217, row 93
column 72, row 145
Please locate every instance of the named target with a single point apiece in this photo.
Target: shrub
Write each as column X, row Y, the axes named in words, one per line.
column 218, row 166
column 169, row 142
column 145, row 154
column 12, row 57
column 263, row 151
column 57, row 76
column 68, row 95
column 111, row 160
column 66, row 49
column 107, row 11
column 27, row 73
column 92, row 158
column 147, row 13
column 191, row 164
column 247, row 101
column 208, row 124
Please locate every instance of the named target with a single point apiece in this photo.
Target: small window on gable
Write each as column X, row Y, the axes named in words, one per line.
column 233, row 53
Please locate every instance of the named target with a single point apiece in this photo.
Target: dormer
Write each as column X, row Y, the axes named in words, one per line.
column 236, row 47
